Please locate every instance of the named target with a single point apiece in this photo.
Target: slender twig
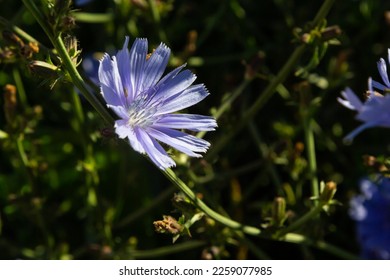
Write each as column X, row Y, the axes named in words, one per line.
column 92, row 17
column 311, row 156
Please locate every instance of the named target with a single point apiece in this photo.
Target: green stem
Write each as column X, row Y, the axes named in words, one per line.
column 20, row 87
column 202, row 206
column 92, row 17
column 22, row 153
column 68, row 63
column 311, row 156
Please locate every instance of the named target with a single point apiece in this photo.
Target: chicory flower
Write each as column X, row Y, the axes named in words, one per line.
column 375, row 111
column 145, row 102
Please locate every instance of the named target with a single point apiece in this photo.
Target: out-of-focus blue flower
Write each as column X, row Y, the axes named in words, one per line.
column 90, row 66
column 382, row 68
column 82, row 2
column 145, row 103
column 371, row 211
column 375, row 111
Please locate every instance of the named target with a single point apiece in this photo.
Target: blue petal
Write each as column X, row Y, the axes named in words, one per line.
column 187, row 121
column 132, row 65
column 378, row 85
column 120, row 111
column 155, row 66
column 376, row 109
column 383, row 72
column 110, row 81
column 82, row 2
column 351, row 100
column 126, row 131
column 170, row 76
column 176, row 85
column 388, row 55
column 155, row 152
column 181, row 141
column 185, row 99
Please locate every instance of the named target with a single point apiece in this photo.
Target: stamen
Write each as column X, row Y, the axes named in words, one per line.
column 141, row 111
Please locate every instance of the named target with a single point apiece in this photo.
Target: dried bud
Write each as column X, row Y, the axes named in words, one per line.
column 10, row 102
column 28, row 50
column 252, row 68
column 71, row 45
column 168, row 225
column 374, row 163
column 369, row 160
column 387, row 17
column 43, row 69
column 68, row 22
column 328, row 191
column 6, row 54
column 107, row 132
column 34, row 47
column 182, row 203
column 10, row 95
column 12, row 38
column 306, row 38
column 279, row 211
column 192, row 38
column 140, row 4
column 330, row 32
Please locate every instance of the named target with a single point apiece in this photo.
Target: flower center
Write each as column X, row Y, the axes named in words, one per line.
column 141, row 112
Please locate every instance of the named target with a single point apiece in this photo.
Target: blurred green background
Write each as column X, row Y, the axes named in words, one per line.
column 69, row 189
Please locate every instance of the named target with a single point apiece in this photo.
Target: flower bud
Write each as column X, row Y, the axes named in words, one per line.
column 10, row 102
column 168, row 225
column 71, row 45
column 43, row 69
column 330, row 32
column 12, row 38
column 6, row 55
column 279, row 211
column 28, row 50
column 328, row 191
